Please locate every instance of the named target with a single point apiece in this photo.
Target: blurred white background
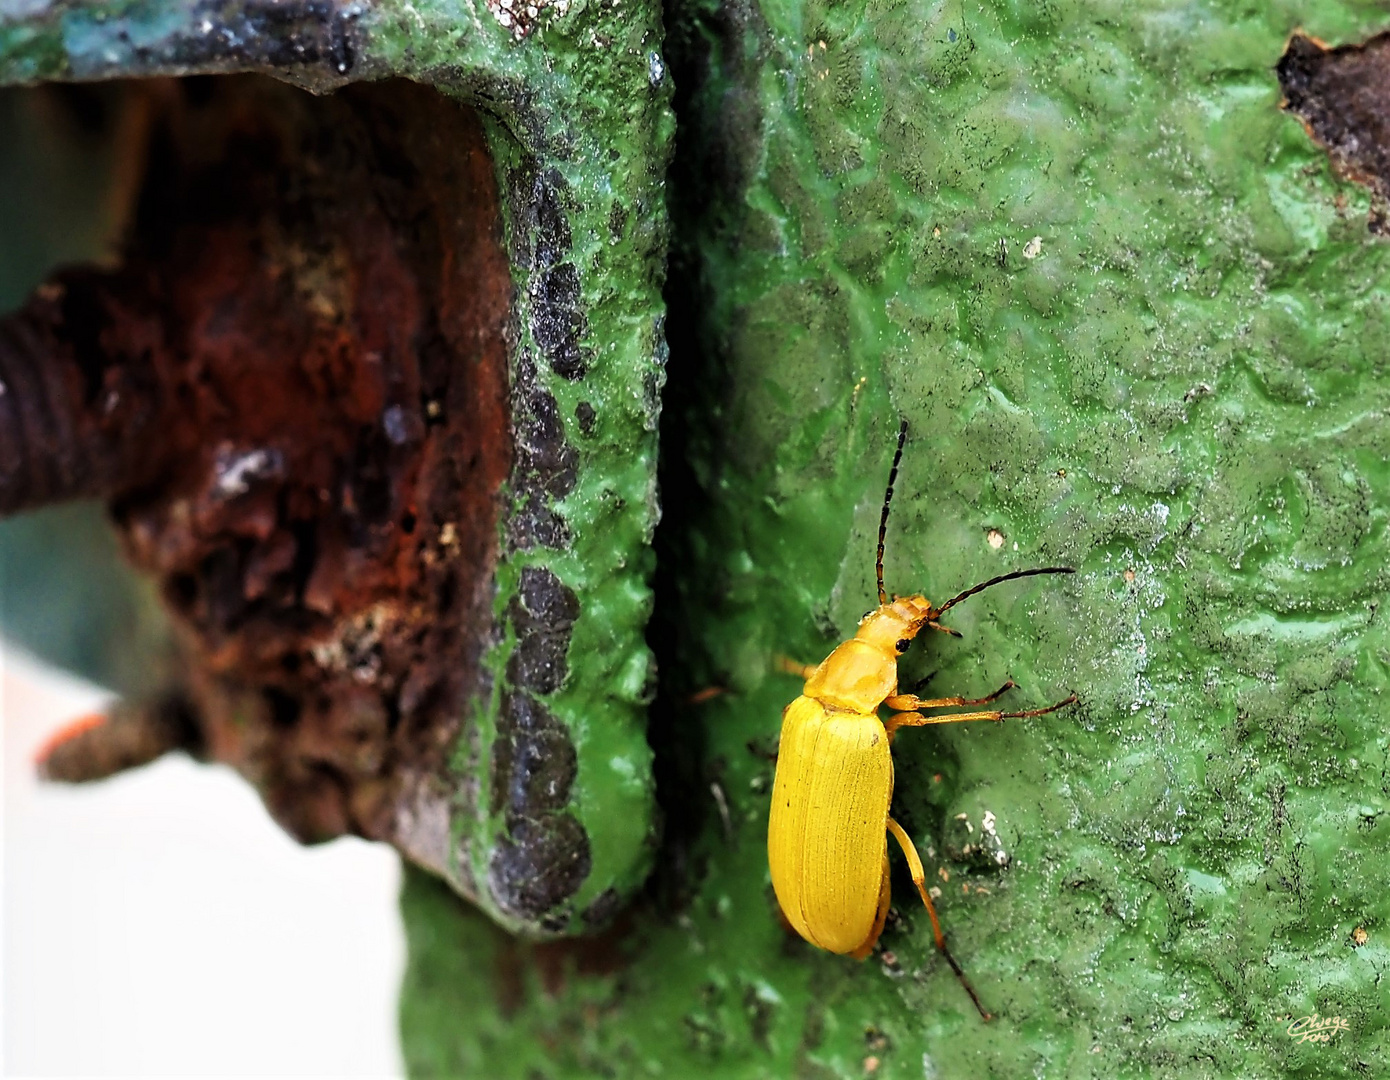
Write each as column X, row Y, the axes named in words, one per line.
column 159, row 923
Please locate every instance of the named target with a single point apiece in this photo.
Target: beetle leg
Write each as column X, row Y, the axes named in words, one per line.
column 919, row 877
column 791, row 667
column 908, row 702
column 915, row 719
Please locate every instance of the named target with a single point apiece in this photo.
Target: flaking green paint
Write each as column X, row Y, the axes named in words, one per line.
column 1187, row 381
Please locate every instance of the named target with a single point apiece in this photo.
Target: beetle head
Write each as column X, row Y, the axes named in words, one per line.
column 892, row 626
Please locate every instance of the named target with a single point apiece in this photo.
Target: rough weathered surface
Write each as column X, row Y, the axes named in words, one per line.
column 297, row 380
column 577, row 148
column 1138, row 326
column 1342, row 95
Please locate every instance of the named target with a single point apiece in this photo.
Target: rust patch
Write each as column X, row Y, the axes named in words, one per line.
column 1342, row 95
column 294, row 392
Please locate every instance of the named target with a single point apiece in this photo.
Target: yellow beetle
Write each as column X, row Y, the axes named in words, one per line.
column 827, row 842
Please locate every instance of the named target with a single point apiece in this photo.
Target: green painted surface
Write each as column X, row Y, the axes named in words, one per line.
column 1198, row 342
column 1183, row 379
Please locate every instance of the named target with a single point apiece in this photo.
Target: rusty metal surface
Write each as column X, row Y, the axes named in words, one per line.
column 1342, row 95
column 293, row 392
column 420, row 627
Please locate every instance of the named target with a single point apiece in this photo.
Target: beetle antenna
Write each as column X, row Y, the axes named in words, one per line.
column 883, row 517
column 937, row 612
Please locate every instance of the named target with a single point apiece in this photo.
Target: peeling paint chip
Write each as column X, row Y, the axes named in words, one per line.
column 1342, row 95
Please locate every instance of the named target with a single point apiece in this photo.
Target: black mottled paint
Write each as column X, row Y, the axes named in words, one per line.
column 584, row 413
column 533, row 767
column 545, row 466
column 542, row 856
column 539, row 864
column 558, row 322
column 542, row 616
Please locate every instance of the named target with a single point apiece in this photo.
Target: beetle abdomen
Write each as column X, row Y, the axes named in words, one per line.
column 827, row 834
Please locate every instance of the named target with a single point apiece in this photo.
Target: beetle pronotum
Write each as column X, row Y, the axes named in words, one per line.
column 827, row 841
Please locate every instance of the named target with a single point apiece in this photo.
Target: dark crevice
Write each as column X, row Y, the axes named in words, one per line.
column 708, row 53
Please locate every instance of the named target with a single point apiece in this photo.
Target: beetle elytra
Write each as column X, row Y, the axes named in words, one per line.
column 827, row 840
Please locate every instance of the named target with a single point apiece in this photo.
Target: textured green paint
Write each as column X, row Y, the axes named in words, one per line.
column 1200, row 346
column 583, row 101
